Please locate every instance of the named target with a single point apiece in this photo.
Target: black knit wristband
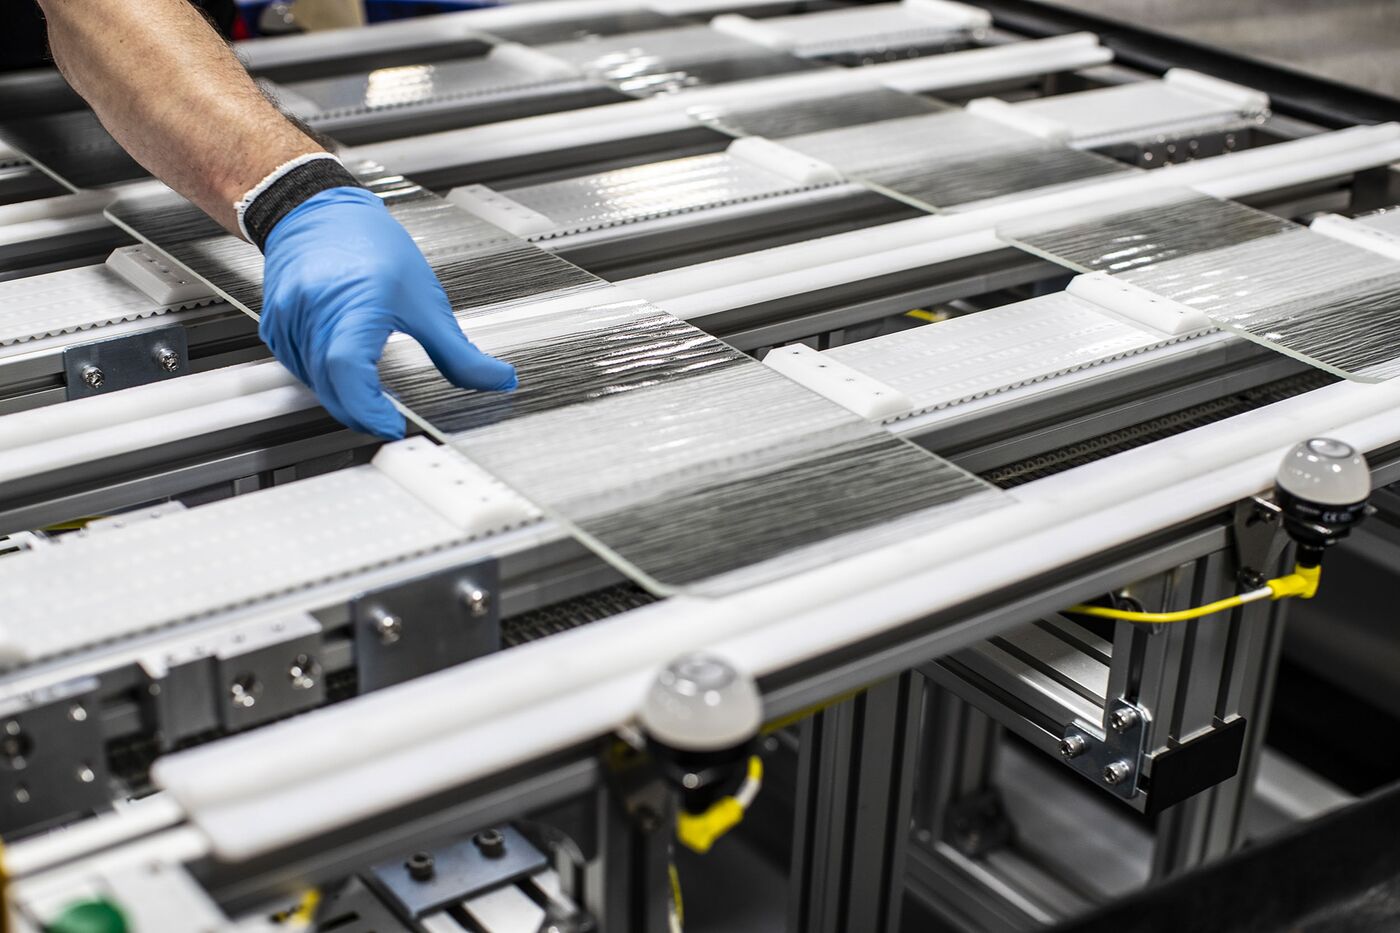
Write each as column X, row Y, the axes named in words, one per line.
column 286, row 192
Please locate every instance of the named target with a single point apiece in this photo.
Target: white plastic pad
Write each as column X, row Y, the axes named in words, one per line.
column 453, row 486
column 1027, row 121
column 796, row 167
column 164, row 282
column 860, row 28
column 1137, row 304
column 493, row 207
column 832, row 379
column 1359, row 233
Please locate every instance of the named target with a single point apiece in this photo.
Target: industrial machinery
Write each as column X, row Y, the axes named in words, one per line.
column 924, row 429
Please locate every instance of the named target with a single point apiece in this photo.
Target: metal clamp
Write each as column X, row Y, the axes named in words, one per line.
column 126, row 361
column 426, row 624
column 1111, row 757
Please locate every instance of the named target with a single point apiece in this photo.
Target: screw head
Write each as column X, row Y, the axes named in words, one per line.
column 86, row 775
column 77, row 712
column 491, row 843
column 93, row 377
column 420, row 866
column 1123, row 719
column 167, row 359
column 1072, row 746
column 477, row 601
column 243, row 691
column 1116, row 772
column 388, row 627
column 303, row 672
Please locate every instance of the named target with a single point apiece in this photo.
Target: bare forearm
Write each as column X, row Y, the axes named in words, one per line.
column 169, row 90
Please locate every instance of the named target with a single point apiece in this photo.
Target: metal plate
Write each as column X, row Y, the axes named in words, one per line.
column 123, row 362
column 460, row 871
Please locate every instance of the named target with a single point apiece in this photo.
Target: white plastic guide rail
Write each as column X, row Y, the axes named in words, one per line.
column 416, row 498
column 1360, row 232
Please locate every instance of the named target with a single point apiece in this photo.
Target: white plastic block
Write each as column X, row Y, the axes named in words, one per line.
column 165, row 282
column 839, row 383
column 999, row 111
column 541, row 64
column 1138, row 304
column 1359, row 234
column 752, row 30
column 454, row 487
column 790, row 164
column 1246, row 99
column 962, row 15
column 506, row 910
column 494, row 207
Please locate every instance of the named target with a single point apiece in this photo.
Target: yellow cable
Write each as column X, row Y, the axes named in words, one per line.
column 699, row 831
column 676, row 893
column 1302, row 583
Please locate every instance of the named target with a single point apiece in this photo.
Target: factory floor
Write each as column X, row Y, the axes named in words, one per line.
column 1352, row 41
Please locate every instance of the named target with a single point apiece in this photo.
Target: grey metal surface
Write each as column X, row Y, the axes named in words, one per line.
column 1352, row 41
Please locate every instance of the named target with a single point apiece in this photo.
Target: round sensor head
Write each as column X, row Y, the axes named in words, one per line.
column 1325, row 472
column 700, row 703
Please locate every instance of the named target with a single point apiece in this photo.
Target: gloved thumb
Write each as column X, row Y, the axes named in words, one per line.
column 464, row 365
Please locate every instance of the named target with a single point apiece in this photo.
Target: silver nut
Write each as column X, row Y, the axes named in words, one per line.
column 303, row 672
column 1072, row 746
column 1116, row 772
column 93, row 377
column 168, row 359
column 477, row 601
column 388, row 627
column 1123, row 719
column 243, row 692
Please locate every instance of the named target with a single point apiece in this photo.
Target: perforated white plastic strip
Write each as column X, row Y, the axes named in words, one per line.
column 1169, row 106
column 994, row 351
column 91, row 588
column 642, row 192
column 72, row 300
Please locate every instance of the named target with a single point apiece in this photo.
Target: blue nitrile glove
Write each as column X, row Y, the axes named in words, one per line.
column 341, row 276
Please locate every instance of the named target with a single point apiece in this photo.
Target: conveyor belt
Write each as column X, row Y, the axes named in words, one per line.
column 1074, row 455
column 573, row 613
column 73, row 300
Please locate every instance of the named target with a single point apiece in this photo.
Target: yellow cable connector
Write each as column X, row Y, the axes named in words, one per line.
column 1302, row 582
column 699, row 831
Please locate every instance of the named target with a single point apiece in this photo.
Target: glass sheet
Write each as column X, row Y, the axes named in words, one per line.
column 1334, row 305
column 1140, row 230
column 666, row 60
column 406, row 85
column 72, row 147
column 948, row 159
column 996, row 350
column 642, row 192
column 860, row 105
column 685, row 463
column 586, row 27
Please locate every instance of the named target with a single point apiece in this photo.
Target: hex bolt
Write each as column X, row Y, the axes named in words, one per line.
column 93, row 377
column 491, row 843
column 477, row 601
column 1072, row 746
column 387, row 626
column 1123, row 718
column 1116, row 772
column 167, row 359
column 243, row 691
column 303, row 672
column 420, row 866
